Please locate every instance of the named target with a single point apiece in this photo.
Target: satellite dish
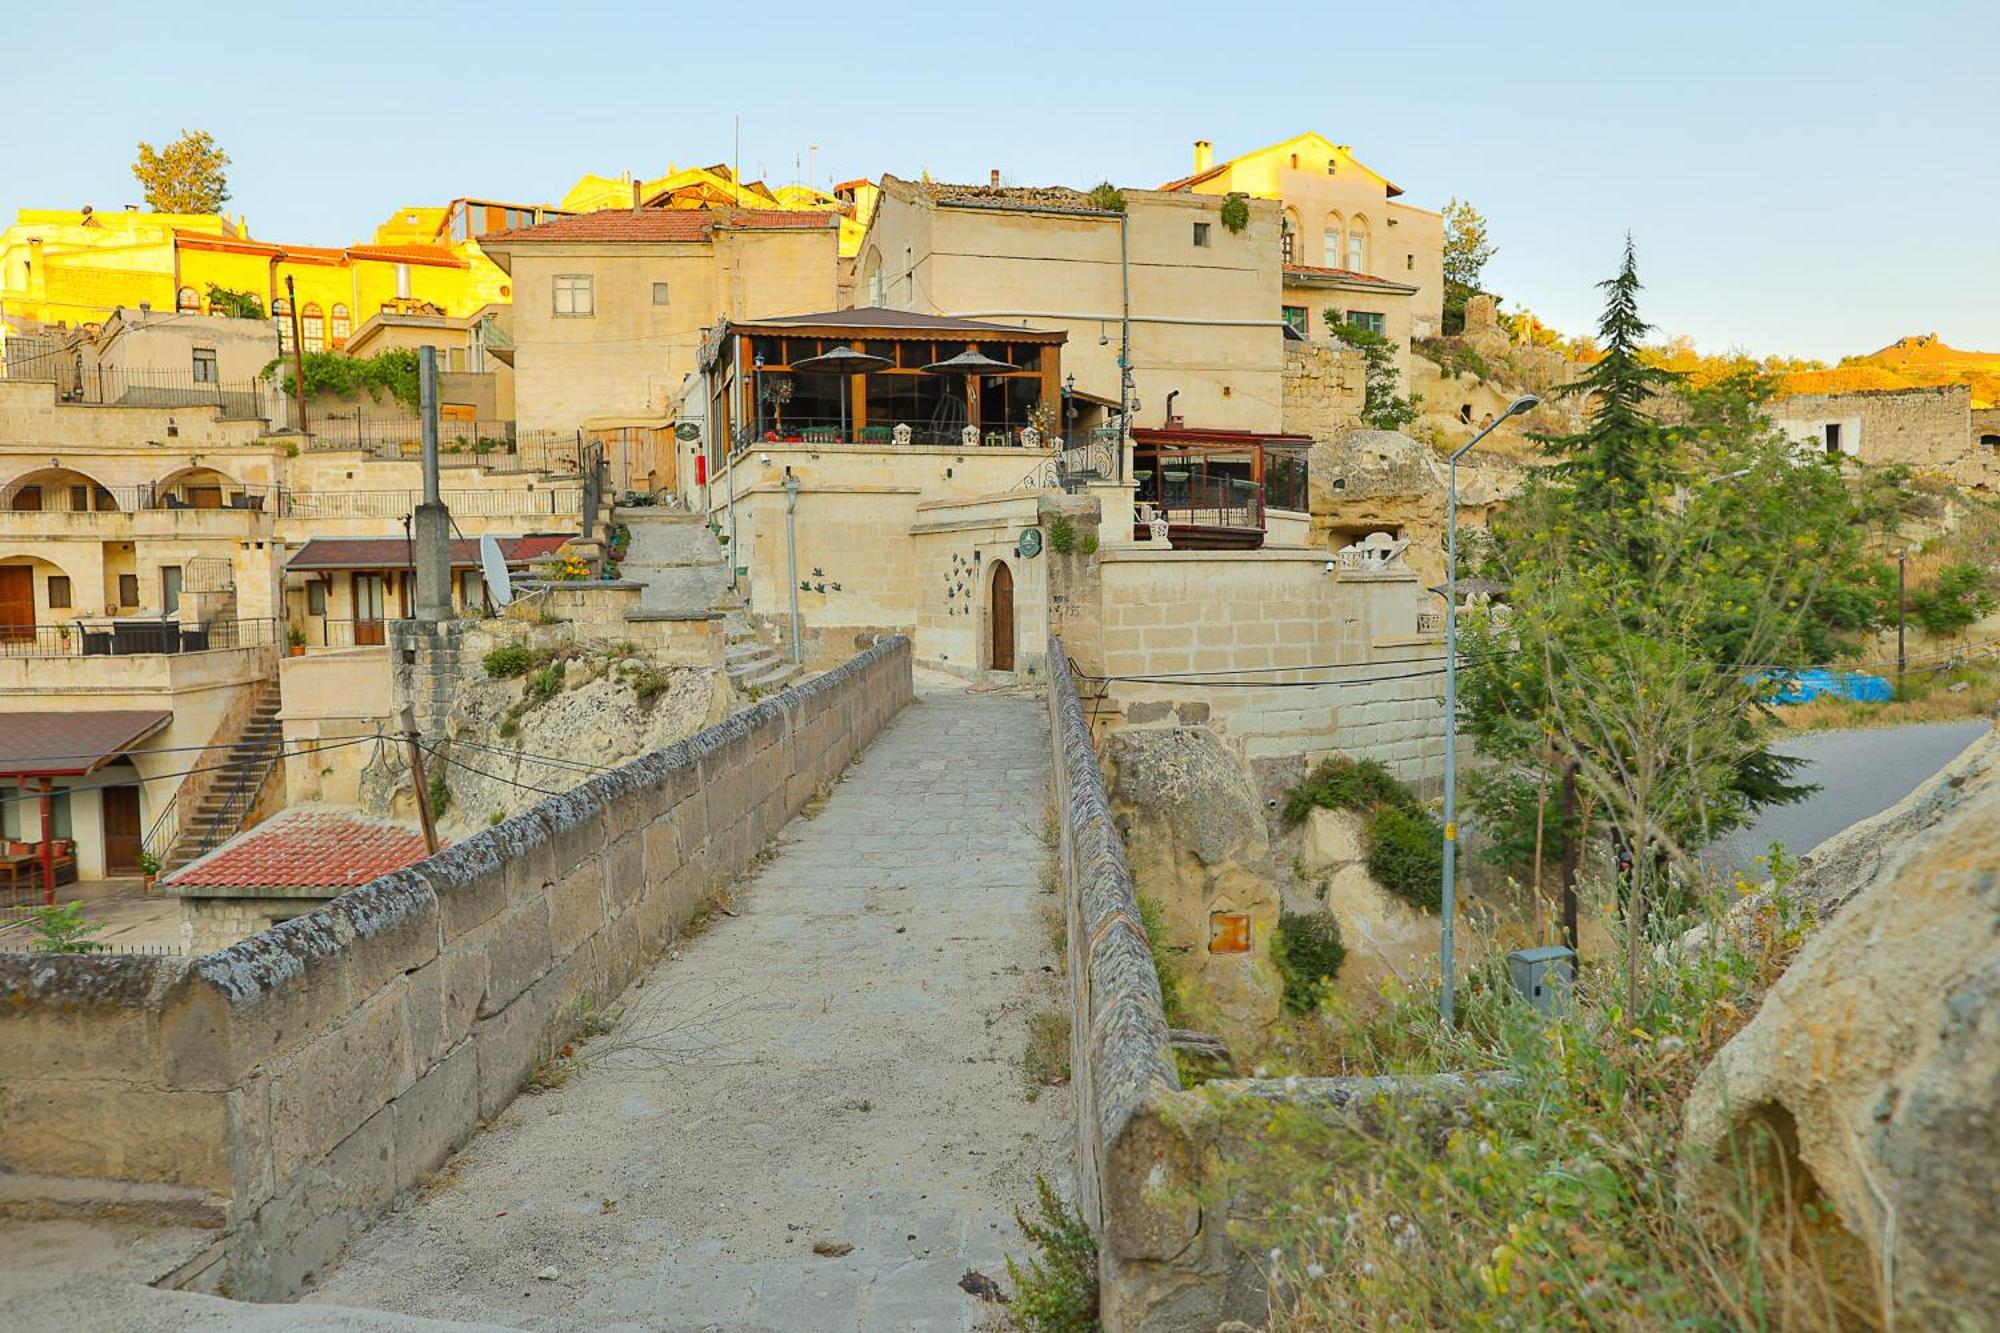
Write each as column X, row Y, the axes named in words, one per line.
column 493, row 566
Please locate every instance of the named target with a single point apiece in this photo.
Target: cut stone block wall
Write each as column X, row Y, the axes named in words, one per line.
column 288, row 1087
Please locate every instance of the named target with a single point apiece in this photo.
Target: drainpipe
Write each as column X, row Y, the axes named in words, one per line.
column 1124, row 342
column 792, row 555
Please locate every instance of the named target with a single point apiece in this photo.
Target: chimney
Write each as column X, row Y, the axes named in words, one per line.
column 637, row 190
column 993, row 178
column 1204, row 155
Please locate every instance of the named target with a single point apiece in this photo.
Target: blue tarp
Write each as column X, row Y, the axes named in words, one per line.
column 1797, row 687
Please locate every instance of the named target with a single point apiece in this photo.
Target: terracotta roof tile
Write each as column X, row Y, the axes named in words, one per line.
column 664, row 224
column 1312, row 271
column 306, row 849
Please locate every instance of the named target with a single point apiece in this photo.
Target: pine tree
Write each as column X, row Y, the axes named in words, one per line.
column 1624, row 457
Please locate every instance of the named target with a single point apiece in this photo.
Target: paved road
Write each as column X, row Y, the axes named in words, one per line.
column 841, row 1067
column 1860, row 773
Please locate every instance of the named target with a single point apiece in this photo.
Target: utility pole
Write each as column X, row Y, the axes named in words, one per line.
column 298, row 354
column 413, row 743
column 432, row 526
column 1902, row 614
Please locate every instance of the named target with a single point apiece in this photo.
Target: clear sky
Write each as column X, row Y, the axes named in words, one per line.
column 1806, row 178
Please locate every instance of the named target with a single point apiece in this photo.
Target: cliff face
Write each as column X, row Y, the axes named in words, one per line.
column 1866, row 1085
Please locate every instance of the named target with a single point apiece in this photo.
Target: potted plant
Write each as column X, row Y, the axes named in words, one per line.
column 295, row 639
column 149, row 866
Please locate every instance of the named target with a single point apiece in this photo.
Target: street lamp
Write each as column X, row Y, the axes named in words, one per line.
column 1527, row 402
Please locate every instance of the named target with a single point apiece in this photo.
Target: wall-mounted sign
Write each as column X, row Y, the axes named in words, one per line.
column 1030, row 543
column 687, row 430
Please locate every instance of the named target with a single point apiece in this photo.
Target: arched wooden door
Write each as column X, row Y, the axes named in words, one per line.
column 1003, row 618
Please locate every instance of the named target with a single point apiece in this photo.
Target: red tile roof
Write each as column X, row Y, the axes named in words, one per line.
column 1309, row 272
column 72, row 741
column 305, row 849
column 663, row 224
column 394, row 552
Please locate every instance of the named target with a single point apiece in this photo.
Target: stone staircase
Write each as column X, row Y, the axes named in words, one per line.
column 220, row 813
column 752, row 663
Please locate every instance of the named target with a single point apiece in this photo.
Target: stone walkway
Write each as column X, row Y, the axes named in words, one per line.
column 837, row 1064
column 676, row 557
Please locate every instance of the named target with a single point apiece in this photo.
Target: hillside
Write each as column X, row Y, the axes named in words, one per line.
column 1919, row 359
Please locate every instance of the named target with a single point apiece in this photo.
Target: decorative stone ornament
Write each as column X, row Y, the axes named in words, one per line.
column 969, row 437
column 901, row 434
column 1030, row 438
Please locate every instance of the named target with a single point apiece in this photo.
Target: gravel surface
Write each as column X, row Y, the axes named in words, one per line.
column 1860, row 773
column 838, row 1064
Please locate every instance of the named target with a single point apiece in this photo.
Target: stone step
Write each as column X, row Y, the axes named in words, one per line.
column 777, row 674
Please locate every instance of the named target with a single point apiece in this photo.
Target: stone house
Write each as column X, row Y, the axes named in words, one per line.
column 609, row 307
column 1342, row 225
column 1930, row 427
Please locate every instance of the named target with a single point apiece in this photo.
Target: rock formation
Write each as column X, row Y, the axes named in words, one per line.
column 1383, row 481
column 1872, row 1070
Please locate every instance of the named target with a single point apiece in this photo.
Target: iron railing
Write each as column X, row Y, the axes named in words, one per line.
column 363, row 633
column 135, row 636
column 558, row 501
column 142, row 386
column 403, row 437
column 63, row 497
column 1202, row 500
column 834, row 430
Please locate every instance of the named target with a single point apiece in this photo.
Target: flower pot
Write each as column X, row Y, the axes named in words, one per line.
column 296, row 650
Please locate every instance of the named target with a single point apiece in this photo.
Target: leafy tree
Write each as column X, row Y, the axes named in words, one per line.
column 235, row 304
column 184, row 177
column 1466, row 250
column 1961, row 594
column 1382, row 407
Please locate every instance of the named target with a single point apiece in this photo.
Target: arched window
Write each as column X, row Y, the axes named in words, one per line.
column 188, row 301
column 312, row 327
column 341, row 325
column 1329, row 247
column 1357, row 246
column 281, row 315
column 1288, row 239
column 872, row 278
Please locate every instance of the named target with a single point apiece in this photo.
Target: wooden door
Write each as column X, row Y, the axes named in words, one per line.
column 122, row 837
column 367, row 610
column 17, row 603
column 1003, row 618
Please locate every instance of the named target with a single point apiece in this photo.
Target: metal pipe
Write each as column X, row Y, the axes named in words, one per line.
column 427, row 409
column 792, row 555
column 1449, row 907
column 1124, row 341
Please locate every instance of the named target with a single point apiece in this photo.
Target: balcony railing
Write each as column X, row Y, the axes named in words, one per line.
column 117, row 386
column 558, row 501
column 832, row 430
column 1195, row 500
column 131, row 636
column 62, row 498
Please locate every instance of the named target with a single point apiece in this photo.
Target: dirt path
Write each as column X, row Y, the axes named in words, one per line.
column 839, row 1064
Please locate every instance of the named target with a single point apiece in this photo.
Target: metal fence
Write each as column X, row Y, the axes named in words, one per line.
column 89, row 498
column 403, row 437
column 557, row 501
column 1207, row 501
column 131, row 636
column 142, row 386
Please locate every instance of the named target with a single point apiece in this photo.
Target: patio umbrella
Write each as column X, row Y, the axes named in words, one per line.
column 842, row 361
column 970, row 362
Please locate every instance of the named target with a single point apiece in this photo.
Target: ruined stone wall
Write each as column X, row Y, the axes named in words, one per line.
column 285, row 1089
column 1323, row 389
column 1927, row 427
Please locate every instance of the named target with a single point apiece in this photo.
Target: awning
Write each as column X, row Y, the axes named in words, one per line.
column 70, row 744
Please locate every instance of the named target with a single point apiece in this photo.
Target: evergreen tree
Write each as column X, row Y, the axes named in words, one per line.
column 1623, row 458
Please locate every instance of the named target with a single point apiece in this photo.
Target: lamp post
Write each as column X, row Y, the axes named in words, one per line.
column 1902, row 614
column 792, row 555
column 1527, row 402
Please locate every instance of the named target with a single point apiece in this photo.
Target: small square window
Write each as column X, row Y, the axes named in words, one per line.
column 574, row 294
column 128, row 590
column 1295, row 315
column 1410, row 263
column 1201, row 233
column 315, row 598
column 59, row 592
column 204, row 366
column 659, row 293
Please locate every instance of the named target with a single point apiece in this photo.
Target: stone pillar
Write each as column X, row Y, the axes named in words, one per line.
column 430, row 532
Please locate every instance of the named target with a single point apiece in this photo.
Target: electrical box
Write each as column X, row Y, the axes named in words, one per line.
column 1544, row 977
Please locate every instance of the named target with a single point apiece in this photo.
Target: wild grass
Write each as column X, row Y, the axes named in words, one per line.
column 1551, row 1201
column 1926, row 696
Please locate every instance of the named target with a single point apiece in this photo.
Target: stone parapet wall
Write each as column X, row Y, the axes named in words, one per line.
column 1323, row 388
column 287, row 1088
column 1147, row 1149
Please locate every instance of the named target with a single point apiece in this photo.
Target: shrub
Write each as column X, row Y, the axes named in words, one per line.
column 1107, row 196
column 1235, row 213
column 1344, row 784
column 1308, row 952
column 511, row 660
column 649, row 683
column 1153, row 920
column 1087, row 543
column 440, row 795
column 59, row 928
column 546, row 683
column 1062, row 535
column 1056, row 1292
column 1962, row 594
column 1406, row 855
